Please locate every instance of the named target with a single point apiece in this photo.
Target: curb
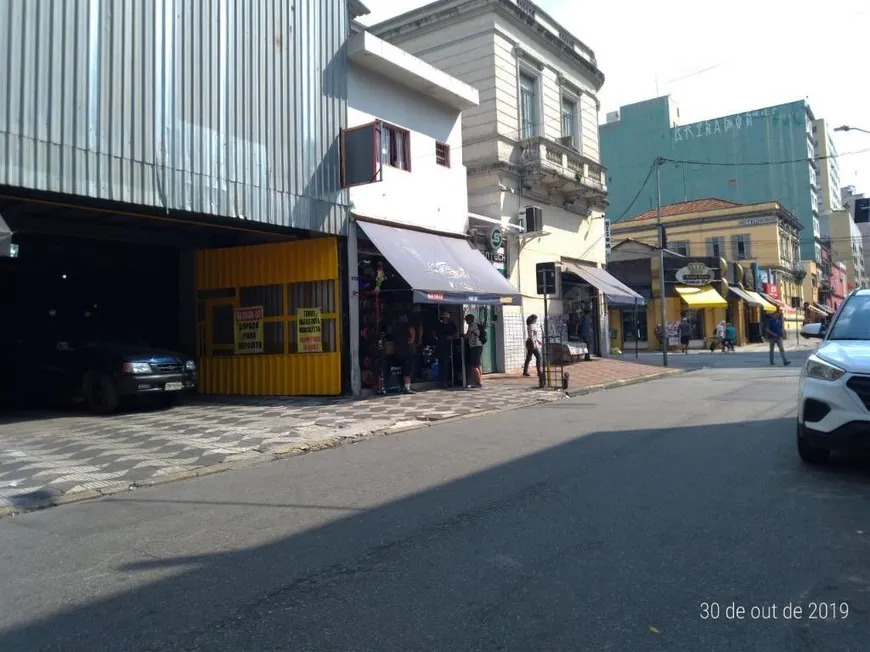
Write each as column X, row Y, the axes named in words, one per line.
column 303, row 448
column 582, row 391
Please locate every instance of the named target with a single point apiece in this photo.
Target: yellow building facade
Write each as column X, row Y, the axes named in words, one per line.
column 752, row 249
column 268, row 319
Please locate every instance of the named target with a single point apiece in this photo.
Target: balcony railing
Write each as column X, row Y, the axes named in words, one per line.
column 564, row 168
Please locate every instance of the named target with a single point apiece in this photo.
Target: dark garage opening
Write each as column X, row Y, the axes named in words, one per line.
column 66, row 284
column 82, row 274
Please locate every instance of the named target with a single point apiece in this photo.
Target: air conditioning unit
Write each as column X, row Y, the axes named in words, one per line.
column 567, row 141
column 533, row 220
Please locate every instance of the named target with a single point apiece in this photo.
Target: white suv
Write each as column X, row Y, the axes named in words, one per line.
column 834, row 393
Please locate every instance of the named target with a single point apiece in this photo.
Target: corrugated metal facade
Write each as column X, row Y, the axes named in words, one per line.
column 224, row 107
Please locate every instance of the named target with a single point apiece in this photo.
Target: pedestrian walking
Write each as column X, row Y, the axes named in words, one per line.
column 685, row 334
column 586, row 334
column 730, row 337
column 719, row 337
column 474, row 339
column 534, row 343
column 774, row 337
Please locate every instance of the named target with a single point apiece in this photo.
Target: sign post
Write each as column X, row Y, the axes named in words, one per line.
column 546, row 285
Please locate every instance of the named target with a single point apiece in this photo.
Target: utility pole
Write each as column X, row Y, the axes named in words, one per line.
column 663, row 311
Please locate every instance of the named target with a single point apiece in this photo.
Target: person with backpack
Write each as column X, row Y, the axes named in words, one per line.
column 475, row 338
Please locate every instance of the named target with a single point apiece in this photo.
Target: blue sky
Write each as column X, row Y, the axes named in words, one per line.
column 723, row 58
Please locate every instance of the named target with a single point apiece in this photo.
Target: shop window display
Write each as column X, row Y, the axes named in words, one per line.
column 384, row 297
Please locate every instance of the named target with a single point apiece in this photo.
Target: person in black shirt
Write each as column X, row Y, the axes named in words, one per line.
column 447, row 333
column 416, row 321
column 405, row 344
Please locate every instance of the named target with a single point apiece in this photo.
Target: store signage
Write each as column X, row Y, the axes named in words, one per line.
column 432, row 296
column 495, row 257
column 607, row 238
column 695, row 274
column 309, row 330
column 748, row 280
column 495, row 238
column 755, row 221
column 249, row 330
column 771, row 290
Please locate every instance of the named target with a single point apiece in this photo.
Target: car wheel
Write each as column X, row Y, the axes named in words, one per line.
column 100, row 392
column 811, row 454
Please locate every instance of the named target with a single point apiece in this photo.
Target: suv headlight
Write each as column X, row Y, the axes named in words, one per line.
column 190, row 365
column 818, row 368
column 137, row 368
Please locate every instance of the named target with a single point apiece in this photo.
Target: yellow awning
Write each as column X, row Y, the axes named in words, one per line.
column 761, row 301
column 701, row 297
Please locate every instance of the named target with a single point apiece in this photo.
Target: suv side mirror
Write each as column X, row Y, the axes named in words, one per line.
column 816, row 331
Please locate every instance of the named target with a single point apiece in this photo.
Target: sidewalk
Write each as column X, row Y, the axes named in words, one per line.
column 597, row 373
column 52, row 458
column 790, row 344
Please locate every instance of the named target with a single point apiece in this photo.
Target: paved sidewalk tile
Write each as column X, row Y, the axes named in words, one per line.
column 46, row 454
column 594, row 372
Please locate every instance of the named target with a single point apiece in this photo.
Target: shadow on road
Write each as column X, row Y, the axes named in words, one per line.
column 535, row 554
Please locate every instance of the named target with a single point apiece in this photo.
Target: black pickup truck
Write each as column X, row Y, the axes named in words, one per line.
column 101, row 372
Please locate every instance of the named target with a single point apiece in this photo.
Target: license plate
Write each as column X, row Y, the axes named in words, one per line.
column 173, row 387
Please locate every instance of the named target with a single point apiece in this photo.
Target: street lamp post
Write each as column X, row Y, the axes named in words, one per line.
column 850, row 128
column 662, row 308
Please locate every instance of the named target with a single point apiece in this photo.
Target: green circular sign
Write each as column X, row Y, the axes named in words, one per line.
column 495, row 238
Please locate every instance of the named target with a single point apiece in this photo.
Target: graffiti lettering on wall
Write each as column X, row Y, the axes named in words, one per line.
column 733, row 123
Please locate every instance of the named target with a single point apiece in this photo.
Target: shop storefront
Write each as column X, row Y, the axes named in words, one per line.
column 586, row 291
column 432, row 280
column 268, row 319
column 489, row 239
column 756, row 309
column 691, row 296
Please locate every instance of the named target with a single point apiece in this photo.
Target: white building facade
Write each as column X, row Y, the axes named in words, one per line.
column 409, row 254
column 857, row 205
column 530, row 146
column 422, row 181
column 829, row 167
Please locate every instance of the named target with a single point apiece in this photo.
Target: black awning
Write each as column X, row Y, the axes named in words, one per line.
column 441, row 268
column 615, row 291
column 5, row 239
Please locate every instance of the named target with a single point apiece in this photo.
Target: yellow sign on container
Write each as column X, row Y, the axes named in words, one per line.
column 309, row 330
column 249, row 330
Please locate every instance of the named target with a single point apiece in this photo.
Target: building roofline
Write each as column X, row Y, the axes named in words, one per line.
column 641, row 220
column 356, row 9
column 523, row 12
column 376, row 55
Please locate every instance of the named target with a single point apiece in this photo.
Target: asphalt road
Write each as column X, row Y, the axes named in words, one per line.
column 604, row 522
